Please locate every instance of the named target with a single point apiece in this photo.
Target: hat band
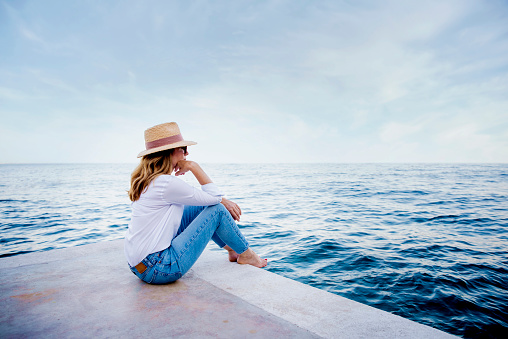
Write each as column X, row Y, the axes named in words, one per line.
column 164, row 141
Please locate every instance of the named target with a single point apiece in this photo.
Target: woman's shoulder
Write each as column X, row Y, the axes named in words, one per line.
column 162, row 183
column 169, row 184
column 165, row 179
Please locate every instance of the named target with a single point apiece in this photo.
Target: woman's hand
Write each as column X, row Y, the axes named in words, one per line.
column 233, row 208
column 183, row 166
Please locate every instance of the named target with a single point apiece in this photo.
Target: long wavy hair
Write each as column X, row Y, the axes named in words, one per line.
column 149, row 168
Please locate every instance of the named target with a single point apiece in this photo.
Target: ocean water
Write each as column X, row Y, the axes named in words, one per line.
column 428, row 242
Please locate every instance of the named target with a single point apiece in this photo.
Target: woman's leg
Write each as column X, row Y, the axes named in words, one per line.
column 190, row 243
column 189, row 214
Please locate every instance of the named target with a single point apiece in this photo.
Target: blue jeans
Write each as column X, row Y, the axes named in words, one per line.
column 199, row 224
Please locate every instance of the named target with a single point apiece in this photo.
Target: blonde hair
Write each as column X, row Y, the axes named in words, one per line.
column 149, row 168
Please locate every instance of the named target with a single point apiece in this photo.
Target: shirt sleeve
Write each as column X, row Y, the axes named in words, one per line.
column 178, row 191
column 212, row 189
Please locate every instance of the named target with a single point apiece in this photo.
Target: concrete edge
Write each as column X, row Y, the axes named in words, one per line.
column 323, row 313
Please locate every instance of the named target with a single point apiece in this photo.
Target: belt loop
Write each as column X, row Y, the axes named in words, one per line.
column 147, row 262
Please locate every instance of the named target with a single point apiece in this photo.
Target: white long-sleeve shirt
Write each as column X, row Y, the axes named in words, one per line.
column 157, row 214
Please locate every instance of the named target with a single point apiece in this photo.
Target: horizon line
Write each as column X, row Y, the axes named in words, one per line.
column 268, row 163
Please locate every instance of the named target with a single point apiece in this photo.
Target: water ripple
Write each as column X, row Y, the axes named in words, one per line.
column 427, row 242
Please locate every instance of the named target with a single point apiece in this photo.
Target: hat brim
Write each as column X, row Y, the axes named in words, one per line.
column 166, row 147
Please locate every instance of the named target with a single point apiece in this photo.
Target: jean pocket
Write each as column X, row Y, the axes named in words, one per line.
column 146, row 276
column 160, row 278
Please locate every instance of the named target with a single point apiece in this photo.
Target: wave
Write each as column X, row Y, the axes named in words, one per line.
column 427, row 242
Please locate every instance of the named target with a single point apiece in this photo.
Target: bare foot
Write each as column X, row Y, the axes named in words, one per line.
column 250, row 257
column 233, row 256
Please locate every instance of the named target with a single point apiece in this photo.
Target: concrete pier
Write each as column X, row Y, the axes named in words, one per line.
column 89, row 291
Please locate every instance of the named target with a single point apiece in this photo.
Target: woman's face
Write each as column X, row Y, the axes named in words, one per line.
column 180, row 153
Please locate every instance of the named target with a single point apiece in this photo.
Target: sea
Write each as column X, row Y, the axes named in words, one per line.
column 428, row 242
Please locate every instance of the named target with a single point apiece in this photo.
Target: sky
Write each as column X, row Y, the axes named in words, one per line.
column 255, row 81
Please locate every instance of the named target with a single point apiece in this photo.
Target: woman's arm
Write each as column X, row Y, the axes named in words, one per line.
column 184, row 166
column 203, row 179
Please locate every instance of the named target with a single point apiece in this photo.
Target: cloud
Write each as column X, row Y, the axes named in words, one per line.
column 28, row 34
column 268, row 82
column 12, row 94
column 395, row 131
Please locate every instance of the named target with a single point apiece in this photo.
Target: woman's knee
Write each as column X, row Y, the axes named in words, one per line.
column 219, row 207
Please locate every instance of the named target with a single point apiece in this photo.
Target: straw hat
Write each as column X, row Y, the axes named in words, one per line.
column 162, row 137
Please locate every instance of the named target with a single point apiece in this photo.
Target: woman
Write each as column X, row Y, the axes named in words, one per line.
column 172, row 221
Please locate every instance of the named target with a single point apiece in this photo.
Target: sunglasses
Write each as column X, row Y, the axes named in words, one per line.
column 184, row 149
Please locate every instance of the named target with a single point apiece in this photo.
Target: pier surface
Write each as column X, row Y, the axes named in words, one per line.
column 89, row 291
